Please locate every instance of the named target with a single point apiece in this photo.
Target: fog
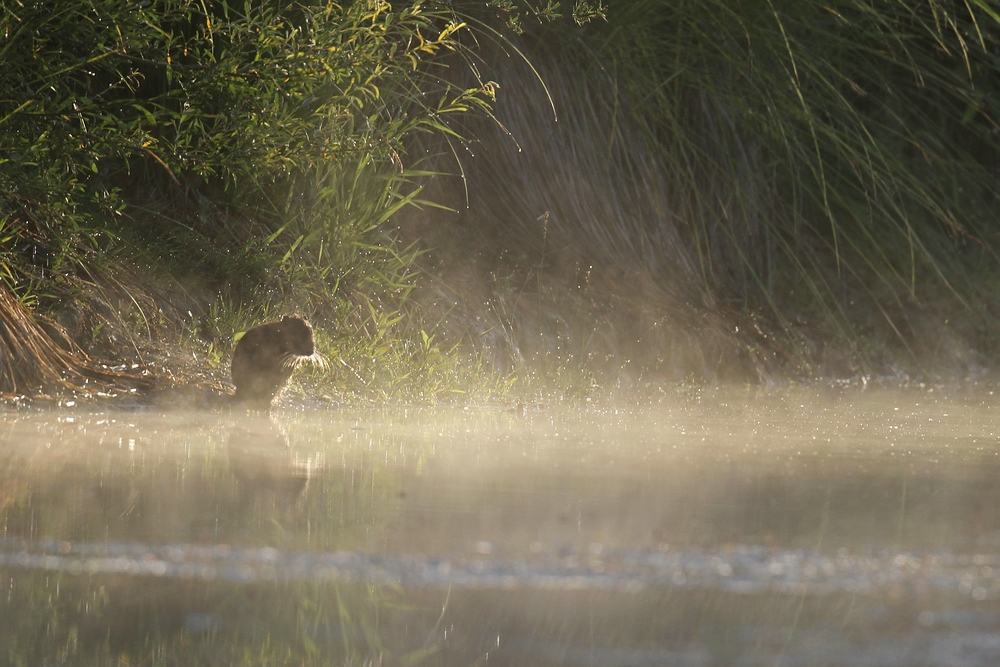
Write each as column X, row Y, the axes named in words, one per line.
column 793, row 526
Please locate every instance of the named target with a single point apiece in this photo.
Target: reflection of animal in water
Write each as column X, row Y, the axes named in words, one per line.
column 269, row 476
column 267, row 355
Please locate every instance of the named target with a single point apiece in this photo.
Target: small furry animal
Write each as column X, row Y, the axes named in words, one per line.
column 267, row 355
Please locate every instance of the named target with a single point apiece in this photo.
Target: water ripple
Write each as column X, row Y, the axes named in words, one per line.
column 737, row 569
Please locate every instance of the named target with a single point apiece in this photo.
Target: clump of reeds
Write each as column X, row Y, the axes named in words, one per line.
column 818, row 176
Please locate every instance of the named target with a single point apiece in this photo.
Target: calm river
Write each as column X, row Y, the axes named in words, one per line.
column 792, row 527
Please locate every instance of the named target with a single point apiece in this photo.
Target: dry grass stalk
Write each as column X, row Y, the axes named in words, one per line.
column 30, row 360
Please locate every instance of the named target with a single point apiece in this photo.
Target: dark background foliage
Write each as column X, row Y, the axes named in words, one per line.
column 651, row 192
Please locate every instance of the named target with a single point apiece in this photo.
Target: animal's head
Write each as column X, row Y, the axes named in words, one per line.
column 298, row 335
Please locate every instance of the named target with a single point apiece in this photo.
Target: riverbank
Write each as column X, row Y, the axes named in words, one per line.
column 513, row 211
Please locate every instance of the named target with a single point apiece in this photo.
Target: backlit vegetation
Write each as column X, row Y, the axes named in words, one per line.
column 733, row 190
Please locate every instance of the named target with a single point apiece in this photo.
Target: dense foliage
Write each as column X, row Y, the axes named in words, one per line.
column 820, row 170
column 173, row 124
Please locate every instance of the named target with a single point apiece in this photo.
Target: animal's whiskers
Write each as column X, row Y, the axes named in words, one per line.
column 292, row 361
column 316, row 359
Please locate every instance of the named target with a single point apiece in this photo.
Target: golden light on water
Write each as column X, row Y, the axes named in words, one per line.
column 699, row 531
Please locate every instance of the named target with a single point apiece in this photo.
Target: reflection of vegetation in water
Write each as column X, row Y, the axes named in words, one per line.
column 246, row 482
column 541, row 521
column 50, row 618
column 54, row 618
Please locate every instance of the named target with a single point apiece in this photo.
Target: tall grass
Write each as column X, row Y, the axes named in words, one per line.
column 839, row 136
column 793, row 176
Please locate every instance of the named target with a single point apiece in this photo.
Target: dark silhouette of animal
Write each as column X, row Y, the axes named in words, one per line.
column 267, row 355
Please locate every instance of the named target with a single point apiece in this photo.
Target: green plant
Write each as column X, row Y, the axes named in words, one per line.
column 252, row 150
column 789, row 178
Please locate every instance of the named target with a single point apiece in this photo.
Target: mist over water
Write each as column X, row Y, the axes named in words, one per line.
column 791, row 527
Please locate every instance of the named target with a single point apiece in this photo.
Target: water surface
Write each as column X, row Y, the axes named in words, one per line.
column 796, row 527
